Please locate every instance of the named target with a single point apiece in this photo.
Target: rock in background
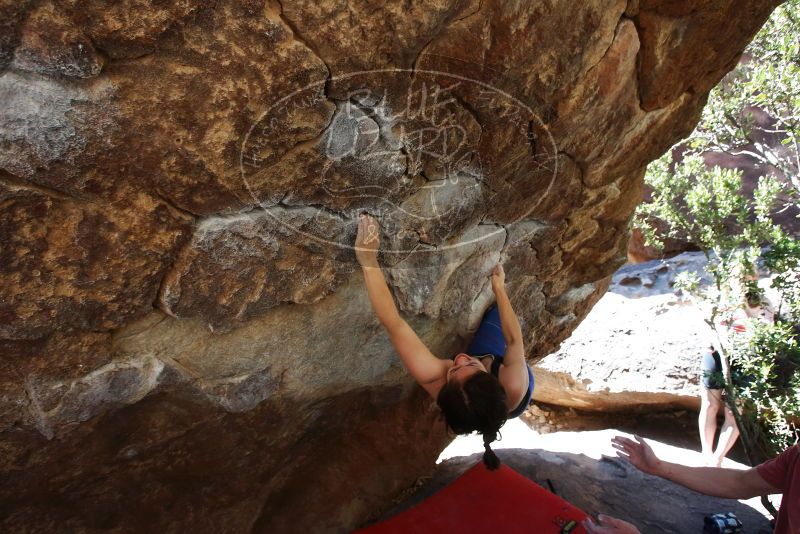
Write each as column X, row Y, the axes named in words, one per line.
column 186, row 342
column 638, row 349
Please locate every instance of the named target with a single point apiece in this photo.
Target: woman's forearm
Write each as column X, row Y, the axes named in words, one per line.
column 512, row 332
column 380, row 297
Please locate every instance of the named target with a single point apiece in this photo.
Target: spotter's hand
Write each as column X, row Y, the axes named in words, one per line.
column 367, row 241
column 638, row 453
column 609, row 525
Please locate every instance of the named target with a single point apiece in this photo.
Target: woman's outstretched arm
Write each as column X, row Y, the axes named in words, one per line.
column 428, row 370
column 514, row 371
column 512, row 332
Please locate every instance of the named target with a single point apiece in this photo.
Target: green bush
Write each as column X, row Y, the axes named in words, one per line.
column 706, row 206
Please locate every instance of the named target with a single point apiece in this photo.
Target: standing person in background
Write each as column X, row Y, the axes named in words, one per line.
column 732, row 324
column 712, row 386
column 477, row 390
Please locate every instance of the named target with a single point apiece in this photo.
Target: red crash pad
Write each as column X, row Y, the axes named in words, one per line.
column 483, row 501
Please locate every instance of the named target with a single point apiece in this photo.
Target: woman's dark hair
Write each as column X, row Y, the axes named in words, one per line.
column 478, row 406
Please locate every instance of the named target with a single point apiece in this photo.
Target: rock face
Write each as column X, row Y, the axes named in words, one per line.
column 185, row 339
column 638, row 349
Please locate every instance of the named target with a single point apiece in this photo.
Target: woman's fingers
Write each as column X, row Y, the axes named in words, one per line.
column 498, row 272
column 368, row 226
column 368, row 235
column 367, row 241
column 364, row 221
column 360, row 234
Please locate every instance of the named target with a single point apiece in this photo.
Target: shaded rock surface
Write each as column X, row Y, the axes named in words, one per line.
column 68, row 264
column 639, row 348
column 186, row 342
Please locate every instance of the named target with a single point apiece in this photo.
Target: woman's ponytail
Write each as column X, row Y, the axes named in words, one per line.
column 479, row 406
column 489, row 457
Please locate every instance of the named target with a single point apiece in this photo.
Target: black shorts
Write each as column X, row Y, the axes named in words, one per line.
column 711, row 370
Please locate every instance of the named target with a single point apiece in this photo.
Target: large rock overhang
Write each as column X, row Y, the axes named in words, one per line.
column 186, row 341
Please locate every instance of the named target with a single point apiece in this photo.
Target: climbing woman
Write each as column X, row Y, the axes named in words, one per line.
column 476, row 390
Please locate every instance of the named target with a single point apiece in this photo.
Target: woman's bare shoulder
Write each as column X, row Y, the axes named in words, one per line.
column 514, row 380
